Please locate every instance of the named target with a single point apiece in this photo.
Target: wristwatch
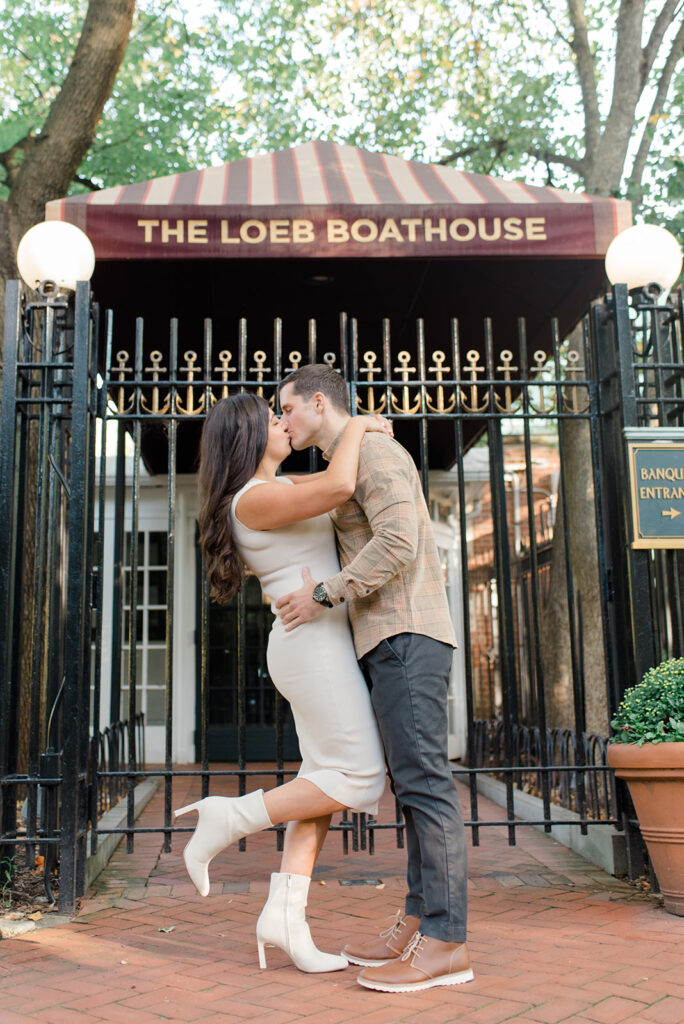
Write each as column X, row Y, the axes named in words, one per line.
column 320, row 594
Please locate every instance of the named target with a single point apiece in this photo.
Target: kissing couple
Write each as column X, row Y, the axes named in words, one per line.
column 361, row 647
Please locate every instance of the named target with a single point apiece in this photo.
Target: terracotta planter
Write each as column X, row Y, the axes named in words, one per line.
column 655, row 775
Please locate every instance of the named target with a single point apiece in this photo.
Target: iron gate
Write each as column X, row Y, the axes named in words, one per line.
column 89, row 594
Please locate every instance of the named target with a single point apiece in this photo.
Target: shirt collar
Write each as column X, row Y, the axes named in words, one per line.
column 330, row 450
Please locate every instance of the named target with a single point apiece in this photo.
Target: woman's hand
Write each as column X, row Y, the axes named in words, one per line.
column 378, row 424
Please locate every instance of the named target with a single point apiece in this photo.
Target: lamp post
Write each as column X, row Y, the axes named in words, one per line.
column 55, row 255
column 49, row 407
column 640, row 366
column 645, row 257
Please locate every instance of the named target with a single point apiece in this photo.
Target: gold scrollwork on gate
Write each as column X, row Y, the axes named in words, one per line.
column 191, row 408
column 119, row 372
column 405, row 407
column 371, row 370
column 470, row 397
column 439, row 369
column 329, row 358
column 295, row 359
column 506, row 367
column 574, row 371
column 546, row 403
column 225, row 369
column 155, row 369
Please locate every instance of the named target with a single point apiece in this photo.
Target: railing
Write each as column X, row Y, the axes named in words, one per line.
column 114, row 754
column 572, row 781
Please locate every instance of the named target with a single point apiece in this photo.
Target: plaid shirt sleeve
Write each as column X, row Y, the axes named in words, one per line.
column 383, row 491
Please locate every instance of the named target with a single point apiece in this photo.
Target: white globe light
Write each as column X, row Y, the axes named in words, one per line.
column 55, row 251
column 643, row 255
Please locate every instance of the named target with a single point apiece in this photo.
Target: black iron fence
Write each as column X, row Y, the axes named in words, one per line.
column 89, row 411
column 110, row 757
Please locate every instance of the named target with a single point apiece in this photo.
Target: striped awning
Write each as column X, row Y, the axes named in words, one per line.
column 324, row 199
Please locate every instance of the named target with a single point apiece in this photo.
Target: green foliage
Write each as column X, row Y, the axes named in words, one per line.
column 7, row 869
column 653, row 710
column 489, row 87
column 165, row 109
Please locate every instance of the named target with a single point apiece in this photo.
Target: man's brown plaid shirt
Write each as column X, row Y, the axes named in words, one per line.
column 391, row 572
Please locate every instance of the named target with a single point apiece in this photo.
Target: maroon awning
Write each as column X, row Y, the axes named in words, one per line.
column 321, row 199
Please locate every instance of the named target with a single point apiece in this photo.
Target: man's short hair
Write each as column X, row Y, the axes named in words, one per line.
column 313, row 377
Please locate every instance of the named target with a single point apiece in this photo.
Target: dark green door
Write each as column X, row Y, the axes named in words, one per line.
column 256, row 705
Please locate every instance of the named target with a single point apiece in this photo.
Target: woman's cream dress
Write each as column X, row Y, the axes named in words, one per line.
column 314, row 666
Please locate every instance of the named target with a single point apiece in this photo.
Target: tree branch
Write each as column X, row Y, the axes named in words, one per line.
column 573, row 163
column 69, row 129
column 586, row 71
column 563, row 38
column 651, row 125
column 662, row 23
column 88, row 182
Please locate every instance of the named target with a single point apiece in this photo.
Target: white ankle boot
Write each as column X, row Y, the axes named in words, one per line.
column 283, row 923
column 222, row 820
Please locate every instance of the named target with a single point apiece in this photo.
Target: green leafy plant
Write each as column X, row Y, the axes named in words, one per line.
column 7, row 866
column 653, row 710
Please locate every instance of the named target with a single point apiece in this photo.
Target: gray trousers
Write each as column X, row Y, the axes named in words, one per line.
column 408, row 677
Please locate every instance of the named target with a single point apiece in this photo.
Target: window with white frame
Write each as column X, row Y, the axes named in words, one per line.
column 150, row 642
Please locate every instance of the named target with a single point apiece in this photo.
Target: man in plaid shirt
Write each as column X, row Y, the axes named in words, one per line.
column 392, row 580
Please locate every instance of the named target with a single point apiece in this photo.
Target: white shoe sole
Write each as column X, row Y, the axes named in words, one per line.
column 365, row 963
column 416, row 986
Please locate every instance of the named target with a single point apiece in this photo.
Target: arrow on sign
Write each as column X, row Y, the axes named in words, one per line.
column 671, row 512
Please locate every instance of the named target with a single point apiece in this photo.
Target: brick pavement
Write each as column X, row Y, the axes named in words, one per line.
column 552, row 939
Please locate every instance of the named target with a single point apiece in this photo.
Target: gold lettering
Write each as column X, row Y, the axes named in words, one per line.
column 225, row 235
column 482, row 229
column 390, row 230
column 513, row 231
column 247, row 226
column 302, row 231
column 279, row 230
column 535, row 229
column 178, row 232
column 455, row 232
column 197, row 231
column 411, row 223
column 368, row 226
column 147, row 225
column 644, row 473
column 642, row 492
column 338, row 231
column 440, row 230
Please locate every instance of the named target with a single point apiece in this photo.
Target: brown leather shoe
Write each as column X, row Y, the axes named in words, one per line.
column 424, row 963
column 388, row 945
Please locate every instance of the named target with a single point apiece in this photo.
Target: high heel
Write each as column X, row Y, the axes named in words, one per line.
column 222, row 820
column 282, row 923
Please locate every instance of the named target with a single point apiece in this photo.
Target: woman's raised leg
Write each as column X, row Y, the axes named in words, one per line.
column 224, row 820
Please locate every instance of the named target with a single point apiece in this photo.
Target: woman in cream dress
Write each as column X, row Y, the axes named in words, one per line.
column 278, row 529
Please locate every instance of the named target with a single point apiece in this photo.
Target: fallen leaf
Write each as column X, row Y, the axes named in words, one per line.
column 166, row 930
column 36, row 916
column 381, row 886
column 322, row 883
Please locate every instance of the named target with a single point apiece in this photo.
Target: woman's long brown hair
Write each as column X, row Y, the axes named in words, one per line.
column 232, row 446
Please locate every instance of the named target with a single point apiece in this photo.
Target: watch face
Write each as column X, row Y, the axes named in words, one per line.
column 320, row 594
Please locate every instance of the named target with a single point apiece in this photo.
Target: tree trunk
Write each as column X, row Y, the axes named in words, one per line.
column 575, row 452
column 46, row 171
column 51, row 159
